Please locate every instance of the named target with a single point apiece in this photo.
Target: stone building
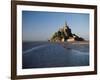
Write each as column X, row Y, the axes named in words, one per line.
column 65, row 34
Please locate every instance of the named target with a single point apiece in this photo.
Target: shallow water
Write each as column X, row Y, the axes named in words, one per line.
column 44, row 55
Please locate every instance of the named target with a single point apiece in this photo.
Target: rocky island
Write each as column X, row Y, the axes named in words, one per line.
column 64, row 34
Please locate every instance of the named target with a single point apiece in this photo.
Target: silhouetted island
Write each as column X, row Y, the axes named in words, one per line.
column 65, row 35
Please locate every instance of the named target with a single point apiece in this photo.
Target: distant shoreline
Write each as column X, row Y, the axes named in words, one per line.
column 76, row 45
column 79, row 42
column 72, row 42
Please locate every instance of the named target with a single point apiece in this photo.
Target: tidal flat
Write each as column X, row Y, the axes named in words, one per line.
column 55, row 54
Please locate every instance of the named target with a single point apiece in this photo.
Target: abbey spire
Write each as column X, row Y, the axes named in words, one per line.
column 66, row 25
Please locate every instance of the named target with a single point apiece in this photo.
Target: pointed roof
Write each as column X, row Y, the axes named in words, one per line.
column 65, row 23
column 66, row 26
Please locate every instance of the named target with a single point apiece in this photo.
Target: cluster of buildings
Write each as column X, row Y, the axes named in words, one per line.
column 64, row 34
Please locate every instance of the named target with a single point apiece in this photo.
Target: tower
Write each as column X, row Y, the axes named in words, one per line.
column 66, row 26
column 67, row 30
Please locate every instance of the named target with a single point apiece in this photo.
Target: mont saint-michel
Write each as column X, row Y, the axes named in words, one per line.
column 54, row 39
column 64, row 34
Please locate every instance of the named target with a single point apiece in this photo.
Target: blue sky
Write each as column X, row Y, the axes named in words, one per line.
column 39, row 26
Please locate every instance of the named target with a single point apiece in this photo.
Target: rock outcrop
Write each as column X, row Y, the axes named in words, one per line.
column 65, row 34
